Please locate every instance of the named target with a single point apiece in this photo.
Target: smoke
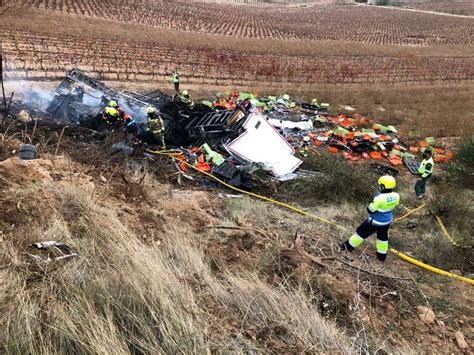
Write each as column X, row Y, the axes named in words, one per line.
column 38, row 95
column 30, row 93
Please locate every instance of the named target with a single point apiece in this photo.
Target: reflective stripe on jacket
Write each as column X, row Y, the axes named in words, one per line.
column 426, row 167
column 381, row 208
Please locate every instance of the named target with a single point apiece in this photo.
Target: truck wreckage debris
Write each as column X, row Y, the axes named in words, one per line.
column 236, row 133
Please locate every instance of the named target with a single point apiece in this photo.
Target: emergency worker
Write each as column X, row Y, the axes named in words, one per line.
column 156, row 126
column 380, row 217
column 425, row 170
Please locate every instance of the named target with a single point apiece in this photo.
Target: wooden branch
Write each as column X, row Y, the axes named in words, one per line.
column 59, row 140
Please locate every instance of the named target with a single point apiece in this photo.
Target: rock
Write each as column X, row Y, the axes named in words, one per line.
column 426, row 314
column 462, row 344
column 103, row 179
column 440, row 323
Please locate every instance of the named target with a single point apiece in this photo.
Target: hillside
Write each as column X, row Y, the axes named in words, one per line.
column 113, row 244
column 166, row 269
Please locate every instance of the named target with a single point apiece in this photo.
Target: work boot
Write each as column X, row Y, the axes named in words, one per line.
column 381, row 257
column 419, row 197
column 346, row 246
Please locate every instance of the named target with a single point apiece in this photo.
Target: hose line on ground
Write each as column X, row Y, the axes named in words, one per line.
column 251, row 193
column 448, row 236
column 295, row 209
column 431, row 268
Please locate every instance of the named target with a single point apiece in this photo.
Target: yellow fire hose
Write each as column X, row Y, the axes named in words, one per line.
column 295, row 209
column 431, row 268
column 409, row 213
column 448, row 236
column 251, row 193
column 441, row 226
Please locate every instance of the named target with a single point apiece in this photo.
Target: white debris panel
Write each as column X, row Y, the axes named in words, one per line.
column 261, row 143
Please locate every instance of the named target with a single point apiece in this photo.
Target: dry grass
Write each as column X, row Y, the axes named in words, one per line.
column 123, row 294
column 417, row 111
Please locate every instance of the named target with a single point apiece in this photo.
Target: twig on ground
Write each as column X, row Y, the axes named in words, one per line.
column 372, row 273
column 59, row 141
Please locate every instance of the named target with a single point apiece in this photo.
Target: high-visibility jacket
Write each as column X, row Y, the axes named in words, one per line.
column 304, row 148
column 426, row 167
column 381, row 208
column 175, row 78
column 187, row 100
column 156, row 124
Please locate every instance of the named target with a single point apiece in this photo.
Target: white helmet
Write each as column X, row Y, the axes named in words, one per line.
column 306, row 139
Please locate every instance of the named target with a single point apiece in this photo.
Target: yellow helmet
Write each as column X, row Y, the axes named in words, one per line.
column 387, row 182
column 150, row 109
column 185, row 93
column 112, row 103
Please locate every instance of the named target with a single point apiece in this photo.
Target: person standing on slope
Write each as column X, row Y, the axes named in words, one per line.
column 175, row 80
column 425, row 170
column 379, row 220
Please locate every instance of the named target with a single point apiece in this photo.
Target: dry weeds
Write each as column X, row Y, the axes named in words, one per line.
column 129, row 296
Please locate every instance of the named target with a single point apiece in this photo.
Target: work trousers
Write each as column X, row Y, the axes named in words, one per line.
column 159, row 137
column 365, row 230
column 176, row 87
column 420, row 186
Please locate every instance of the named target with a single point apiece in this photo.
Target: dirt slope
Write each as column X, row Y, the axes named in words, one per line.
column 254, row 276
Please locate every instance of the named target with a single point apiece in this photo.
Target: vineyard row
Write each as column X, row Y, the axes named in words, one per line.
column 39, row 57
column 373, row 25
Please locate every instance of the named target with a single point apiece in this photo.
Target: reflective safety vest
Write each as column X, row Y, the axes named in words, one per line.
column 382, row 207
column 175, row 78
column 426, row 167
column 304, row 149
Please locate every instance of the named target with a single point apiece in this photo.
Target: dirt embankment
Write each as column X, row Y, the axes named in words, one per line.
column 245, row 274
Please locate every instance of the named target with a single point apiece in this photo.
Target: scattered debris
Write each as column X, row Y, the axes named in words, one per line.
column 27, row 152
column 51, row 251
column 235, row 134
column 24, row 116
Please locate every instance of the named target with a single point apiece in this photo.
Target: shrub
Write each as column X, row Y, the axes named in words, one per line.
column 461, row 168
column 437, row 251
column 335, row 181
